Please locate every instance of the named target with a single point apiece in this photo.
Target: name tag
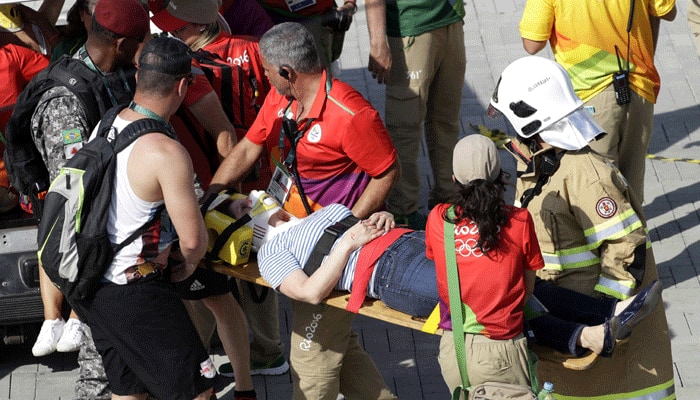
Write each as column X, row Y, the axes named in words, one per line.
column 280, row 185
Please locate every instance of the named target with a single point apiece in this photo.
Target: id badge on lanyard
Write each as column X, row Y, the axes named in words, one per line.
column 280, row 184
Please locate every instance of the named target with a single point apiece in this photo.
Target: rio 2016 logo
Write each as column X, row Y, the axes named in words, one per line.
column 310, row 330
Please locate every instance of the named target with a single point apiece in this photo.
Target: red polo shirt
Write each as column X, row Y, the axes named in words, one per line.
column 344, row 146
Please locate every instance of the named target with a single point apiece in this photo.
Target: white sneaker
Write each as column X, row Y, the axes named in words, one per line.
column 48, row 337
column 71, row 337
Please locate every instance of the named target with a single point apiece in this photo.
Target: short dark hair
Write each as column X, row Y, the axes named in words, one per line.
column 163, row 61
column 101, row 33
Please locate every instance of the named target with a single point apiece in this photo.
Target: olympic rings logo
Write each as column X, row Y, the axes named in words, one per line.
column 467, row 248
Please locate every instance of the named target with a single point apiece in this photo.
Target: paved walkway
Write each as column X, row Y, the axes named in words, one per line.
column 407, row 359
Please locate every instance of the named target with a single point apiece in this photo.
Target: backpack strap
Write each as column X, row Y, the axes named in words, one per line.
column 74, row 75
column 223, row 238
column 325, row 243
column 140, row 231
column 456, row 315
column 105, row 124
column 127, row 136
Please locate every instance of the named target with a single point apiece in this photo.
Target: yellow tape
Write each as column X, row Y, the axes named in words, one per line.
column 672, row 159
column 431, row 324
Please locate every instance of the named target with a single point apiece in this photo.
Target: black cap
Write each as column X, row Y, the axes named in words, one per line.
column 166, row 55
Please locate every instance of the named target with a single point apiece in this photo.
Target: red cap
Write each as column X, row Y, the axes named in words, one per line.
column 179, row 13
column 167, row 22
column 126, row 18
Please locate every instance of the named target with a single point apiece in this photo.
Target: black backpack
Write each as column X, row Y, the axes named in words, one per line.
column 74, row 248
column 25, row 166
column 239, row 104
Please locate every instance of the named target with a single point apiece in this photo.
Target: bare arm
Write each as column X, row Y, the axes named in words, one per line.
column 236, row 164
column 379, row 54
column 529, row 283
column 313, row 289
column 376, row 192
column 533, row 46
column 160, row 168
column 211, row 115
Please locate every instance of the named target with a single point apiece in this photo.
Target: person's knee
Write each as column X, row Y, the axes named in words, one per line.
column 219, row 303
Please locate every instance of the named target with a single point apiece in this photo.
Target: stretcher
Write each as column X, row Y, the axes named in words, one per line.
column 371, row 307
column 374, row 308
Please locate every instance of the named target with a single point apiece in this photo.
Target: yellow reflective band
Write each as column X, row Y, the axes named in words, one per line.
column 618, row 289
column 565, row 259
column 663, row 391
column 616, row 228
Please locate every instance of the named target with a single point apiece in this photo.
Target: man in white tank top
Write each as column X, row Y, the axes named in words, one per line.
column 140, row 326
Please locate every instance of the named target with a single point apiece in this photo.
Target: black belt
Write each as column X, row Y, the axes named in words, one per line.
column 325, row 243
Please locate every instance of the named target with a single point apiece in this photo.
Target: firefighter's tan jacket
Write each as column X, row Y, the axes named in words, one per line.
column 589, row 225
column 589, row 231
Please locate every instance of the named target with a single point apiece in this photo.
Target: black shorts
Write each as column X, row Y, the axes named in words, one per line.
column 146, row 339
column 201, row 284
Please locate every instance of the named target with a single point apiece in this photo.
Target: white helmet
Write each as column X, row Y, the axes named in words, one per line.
column 534, row 93
column 263, row 206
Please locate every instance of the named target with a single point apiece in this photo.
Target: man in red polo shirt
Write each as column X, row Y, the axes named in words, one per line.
column 343, row 154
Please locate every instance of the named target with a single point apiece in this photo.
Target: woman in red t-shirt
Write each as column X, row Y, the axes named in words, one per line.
column 497, row 255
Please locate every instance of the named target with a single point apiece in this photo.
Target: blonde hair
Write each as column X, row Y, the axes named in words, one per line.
column 210, row 33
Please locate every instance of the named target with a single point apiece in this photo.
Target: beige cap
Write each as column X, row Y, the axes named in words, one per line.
column 475, row 157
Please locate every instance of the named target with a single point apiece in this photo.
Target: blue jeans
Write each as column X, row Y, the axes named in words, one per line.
column 405, row 279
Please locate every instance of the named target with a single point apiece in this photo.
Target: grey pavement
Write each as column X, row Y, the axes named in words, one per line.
column 406, row 358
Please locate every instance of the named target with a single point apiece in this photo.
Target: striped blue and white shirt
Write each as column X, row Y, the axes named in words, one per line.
column 291, row 249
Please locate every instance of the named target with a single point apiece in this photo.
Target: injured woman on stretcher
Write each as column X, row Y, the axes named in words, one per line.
column 374, row 258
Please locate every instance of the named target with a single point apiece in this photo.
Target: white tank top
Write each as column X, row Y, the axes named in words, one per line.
column 127, row 213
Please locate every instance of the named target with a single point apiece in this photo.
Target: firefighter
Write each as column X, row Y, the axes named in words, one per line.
column 589, row 223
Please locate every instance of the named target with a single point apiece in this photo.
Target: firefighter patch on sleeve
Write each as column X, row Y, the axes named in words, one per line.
column 606, row 207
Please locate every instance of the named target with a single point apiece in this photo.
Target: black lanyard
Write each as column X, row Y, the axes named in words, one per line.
column 291, row 131
column 293, row 134
column 85, row 57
